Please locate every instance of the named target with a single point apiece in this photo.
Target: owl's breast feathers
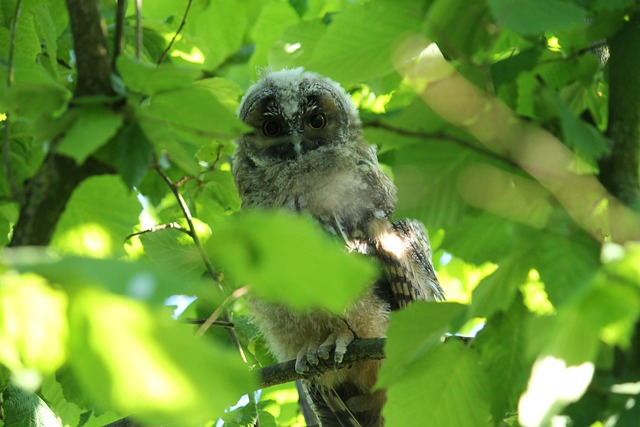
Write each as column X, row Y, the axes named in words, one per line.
column 334, row 182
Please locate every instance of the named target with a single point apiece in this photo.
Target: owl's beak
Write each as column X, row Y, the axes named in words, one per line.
column 297, row 145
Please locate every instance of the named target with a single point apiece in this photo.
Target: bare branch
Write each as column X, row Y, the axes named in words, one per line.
column 90, row 46
column 619, row 171
column 213, row 318
column 138, row 28
column 161, row 227
column 441, row 136
column 358, row 351
column 224, row 315
column 175, row 36
column 118, row 38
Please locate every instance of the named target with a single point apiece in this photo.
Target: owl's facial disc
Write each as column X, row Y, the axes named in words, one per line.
column 293, row 113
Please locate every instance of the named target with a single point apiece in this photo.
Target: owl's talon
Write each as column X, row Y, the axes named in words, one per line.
column 343, row 339
column 301, row 361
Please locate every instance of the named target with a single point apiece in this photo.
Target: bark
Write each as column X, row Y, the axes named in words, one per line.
column 48, row 191
column 619, row 172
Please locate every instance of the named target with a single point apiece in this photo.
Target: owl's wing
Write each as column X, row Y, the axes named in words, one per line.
column 405, row 252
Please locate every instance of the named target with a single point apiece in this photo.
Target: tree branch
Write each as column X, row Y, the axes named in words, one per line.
column 48, row 191
column 619, row 171
column 90, row 46
column 359, row 350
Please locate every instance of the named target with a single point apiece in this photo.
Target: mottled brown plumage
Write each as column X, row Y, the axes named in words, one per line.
column 307, row 154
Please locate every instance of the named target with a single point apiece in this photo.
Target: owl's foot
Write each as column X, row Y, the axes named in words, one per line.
column 310, row 355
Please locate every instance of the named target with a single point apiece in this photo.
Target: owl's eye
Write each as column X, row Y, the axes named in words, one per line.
column 270, row 128
column 317, row 121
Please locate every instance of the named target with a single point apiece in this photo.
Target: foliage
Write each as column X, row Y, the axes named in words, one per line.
column 497, row 149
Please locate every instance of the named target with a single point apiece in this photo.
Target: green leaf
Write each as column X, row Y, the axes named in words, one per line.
column 426, row 176
column 444, row 386
column 127, row 358
column 134, row 279
column 130, row 152
column 24, row 409
column 274, row 17
column 33, row 324
column 578, row 135
column 351, row 31
column 93, row 127
column 219, row 28
column 50, row 20
column 486, row 237
column 495, row 293
column 97, row 219
column 149, row 79
column 18, row 99
column 459, row 26
column 415, row 331
column 532, row 17
column 566, row 265
column 296, row 45
column 199, row 112
column 287, row 258
column 174, row 251
column 501, row 344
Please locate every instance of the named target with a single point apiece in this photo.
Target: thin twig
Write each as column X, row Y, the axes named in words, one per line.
column 192, row 229
column 171, row 225
column 424, row 135
column 175, row 36
column 220, row 323
column 138, row 29
column 238, row 293
column 203, row 255
column 118, row 39
column 12, row 41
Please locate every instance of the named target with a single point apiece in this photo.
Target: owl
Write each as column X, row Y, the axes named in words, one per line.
column 306, row 153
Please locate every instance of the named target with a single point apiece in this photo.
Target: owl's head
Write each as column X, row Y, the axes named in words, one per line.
column 294, row 112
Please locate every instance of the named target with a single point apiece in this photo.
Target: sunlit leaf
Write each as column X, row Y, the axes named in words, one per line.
column 351, row 31
column 98, row 218
column 127, row 358
column 287, row 258
column 274, row 17
column 497, row 291
column 220, row 28
column 139, row 280
column 33, row 324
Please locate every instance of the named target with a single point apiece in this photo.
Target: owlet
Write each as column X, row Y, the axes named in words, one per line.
column 306, row 153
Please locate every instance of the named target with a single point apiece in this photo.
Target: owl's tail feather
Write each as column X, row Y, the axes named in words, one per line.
column 346, row 406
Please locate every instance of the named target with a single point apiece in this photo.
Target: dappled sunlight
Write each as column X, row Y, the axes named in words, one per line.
column 195, row 56
column 282, row 403
column 552, row 384
column 534, row 295
column 88, row 239
column 459, row 279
